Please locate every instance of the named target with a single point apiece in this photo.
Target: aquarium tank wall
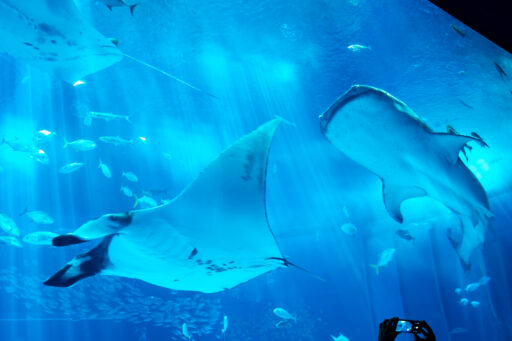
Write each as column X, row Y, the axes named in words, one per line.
column 251, row 170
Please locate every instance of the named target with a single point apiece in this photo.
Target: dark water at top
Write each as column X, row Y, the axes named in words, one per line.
column 260, row 59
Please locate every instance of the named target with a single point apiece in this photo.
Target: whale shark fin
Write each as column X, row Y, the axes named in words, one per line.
column 453, row 144
column 394, row 195
column 82, row 266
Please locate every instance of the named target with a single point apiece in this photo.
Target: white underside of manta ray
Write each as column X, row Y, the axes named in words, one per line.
column 211, row 237
column 51, row 35
column 384, row 135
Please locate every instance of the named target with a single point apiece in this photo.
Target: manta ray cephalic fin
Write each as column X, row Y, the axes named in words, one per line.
column 393, row 196
column 103, row 226
column 82, row 266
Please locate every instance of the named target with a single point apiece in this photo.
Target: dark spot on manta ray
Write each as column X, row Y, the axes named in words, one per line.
column 123, row 219
column 28, row 44
column 54, row 42
column 248, row 167
column 50, row 59
column 176, row 280
column 50, row 30
column 193, row 253
column 209, row 261
column 231, row 261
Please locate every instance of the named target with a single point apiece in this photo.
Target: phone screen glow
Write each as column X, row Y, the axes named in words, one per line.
column 404, row 326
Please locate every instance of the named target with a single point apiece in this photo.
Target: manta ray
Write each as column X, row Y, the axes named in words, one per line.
column 51, row 35
column 384, row 135
column 212, row 237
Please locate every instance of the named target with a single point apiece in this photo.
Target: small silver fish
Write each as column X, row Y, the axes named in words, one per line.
column 384, row 259
column 10, row 240
column 472, row 287
column 115, row 140
column 184, row 330
column 105, row 170
column 40, row 238
column 71, row 167
column 145, row 202
column 224, row 324
column 358, row 48
column 8, row 225
column 484, row 280
column 130, row 176
column 38, row 217
column 280, row 312
column 349, row 229
column 43, row 136
column 126, row 191
column 81, row 145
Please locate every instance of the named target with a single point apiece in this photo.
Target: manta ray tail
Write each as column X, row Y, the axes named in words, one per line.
column 168, row 75
column 287, row 263
column 82, row 266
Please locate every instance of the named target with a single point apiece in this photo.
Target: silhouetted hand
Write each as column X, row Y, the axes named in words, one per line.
column 387, row 329
column 425, row 334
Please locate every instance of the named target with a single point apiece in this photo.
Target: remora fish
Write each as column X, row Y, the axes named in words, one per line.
column 406, row 235
column 384, row 135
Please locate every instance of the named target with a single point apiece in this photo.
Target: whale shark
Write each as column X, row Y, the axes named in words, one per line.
column 381, row 133
column 51, row 36
column 211, row 237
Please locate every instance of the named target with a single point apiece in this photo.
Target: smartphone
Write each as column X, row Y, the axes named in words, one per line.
column 408, row 326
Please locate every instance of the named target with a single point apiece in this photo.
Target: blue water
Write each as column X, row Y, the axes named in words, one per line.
column 260, row 59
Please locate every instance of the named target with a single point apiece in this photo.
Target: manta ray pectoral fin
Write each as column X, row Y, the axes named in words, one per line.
column 452, row 144
column 393, row 196
column 82, row 266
